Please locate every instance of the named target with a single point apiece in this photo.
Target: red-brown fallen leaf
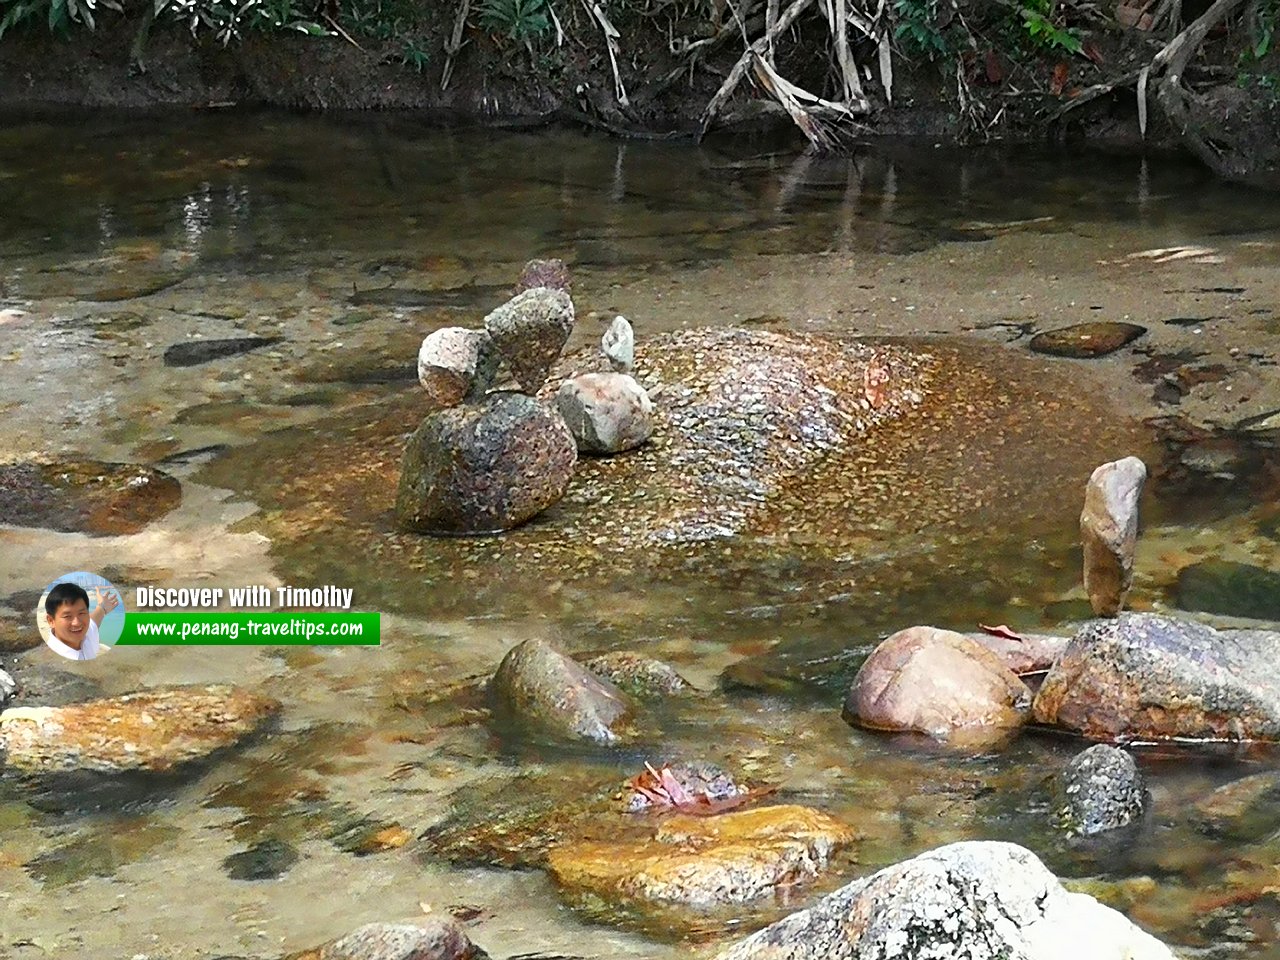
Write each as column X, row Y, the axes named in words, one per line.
column 995, row 70
column 1060, row 74
column 1091, row 50
column 1001, row 631
column 875, row 380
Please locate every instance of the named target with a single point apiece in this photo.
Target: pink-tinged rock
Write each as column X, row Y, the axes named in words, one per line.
column 447, row 364
column 939, row 683
column 606, row 412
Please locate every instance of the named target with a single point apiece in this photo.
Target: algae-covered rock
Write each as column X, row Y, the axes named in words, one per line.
column 154, row 731
column 704, row 861
column 86, row 496
column 541, row 690
column 637, row 674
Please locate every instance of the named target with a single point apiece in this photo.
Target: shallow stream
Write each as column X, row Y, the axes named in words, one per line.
column 349, row 239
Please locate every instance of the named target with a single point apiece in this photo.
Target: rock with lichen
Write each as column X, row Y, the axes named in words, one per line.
column 637, row 674
column 619, row 345
column 484, row 467
column 981, row 900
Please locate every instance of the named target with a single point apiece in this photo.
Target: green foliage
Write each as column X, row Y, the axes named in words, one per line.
column 1043, row 32
column 59, row 14
column 920, row 30
column 522, row 21
column 414, row 56
column 1262, row 28
column 381, row 19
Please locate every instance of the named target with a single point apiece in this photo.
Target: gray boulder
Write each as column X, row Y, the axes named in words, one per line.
column 1102, row 789
column 484, row 467
column 529, row 331
column 1153, row 677
column 427, row 939
column 976, row 900
column 1109, row 532
column 606, row 412
column 537, row 688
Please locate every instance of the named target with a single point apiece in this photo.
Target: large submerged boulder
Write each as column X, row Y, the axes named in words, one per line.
column 704, row 861
column 1152, row 677
column 86, row 496
column 977, row 900
column 484, row 467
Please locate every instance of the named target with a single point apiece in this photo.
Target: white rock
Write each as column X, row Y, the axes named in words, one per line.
column 447, row 362
column 606, row 412
column 8, row 688
column 619, row 345
column 979, row 900
column 1109, row 532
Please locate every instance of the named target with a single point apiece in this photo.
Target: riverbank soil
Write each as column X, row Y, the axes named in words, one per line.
column 965, row 72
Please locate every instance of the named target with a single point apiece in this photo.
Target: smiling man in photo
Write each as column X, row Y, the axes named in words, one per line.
column 73, row 629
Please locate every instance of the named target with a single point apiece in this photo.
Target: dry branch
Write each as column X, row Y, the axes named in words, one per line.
column 758, row 49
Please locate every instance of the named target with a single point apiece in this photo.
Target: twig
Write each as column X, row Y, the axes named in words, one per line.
column 342, row 33
column 454, row 43
column 740, row 68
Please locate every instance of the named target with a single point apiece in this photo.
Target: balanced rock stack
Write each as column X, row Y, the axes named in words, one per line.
column 487, row 460
column 608, row 412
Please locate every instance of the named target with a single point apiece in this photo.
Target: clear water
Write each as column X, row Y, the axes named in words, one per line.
column 351, row 238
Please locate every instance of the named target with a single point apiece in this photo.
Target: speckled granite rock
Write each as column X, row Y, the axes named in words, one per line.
column 1148, row 676
column 977, row 900
column 606, row 412
column 1102, row 789
column 484, row 467
column 638, row 675
column 529, row 331
column 447, row 363
column 619, row 345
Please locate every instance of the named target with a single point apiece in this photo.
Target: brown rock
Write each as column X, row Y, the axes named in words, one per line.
column 939, row 683
column 16, row 637
column 1084, row 341
column 703, row 861
column 154, row 731
column 484, row 467
column 539, row 688
column 1031, row 653
column 1109, row 532
column 1152, row 677
column 606, row 412
column 85, row 496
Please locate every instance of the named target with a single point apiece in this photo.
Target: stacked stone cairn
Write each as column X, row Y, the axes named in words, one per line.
column 486, row 460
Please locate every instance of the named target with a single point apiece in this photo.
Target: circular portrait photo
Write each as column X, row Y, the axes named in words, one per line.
column 80, row 615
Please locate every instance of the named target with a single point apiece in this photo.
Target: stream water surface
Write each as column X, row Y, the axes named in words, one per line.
column 347, row 240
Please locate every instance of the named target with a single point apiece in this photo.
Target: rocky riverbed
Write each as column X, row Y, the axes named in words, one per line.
column 386, row 784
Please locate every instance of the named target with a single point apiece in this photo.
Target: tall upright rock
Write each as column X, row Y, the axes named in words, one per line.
column 1109, row 532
